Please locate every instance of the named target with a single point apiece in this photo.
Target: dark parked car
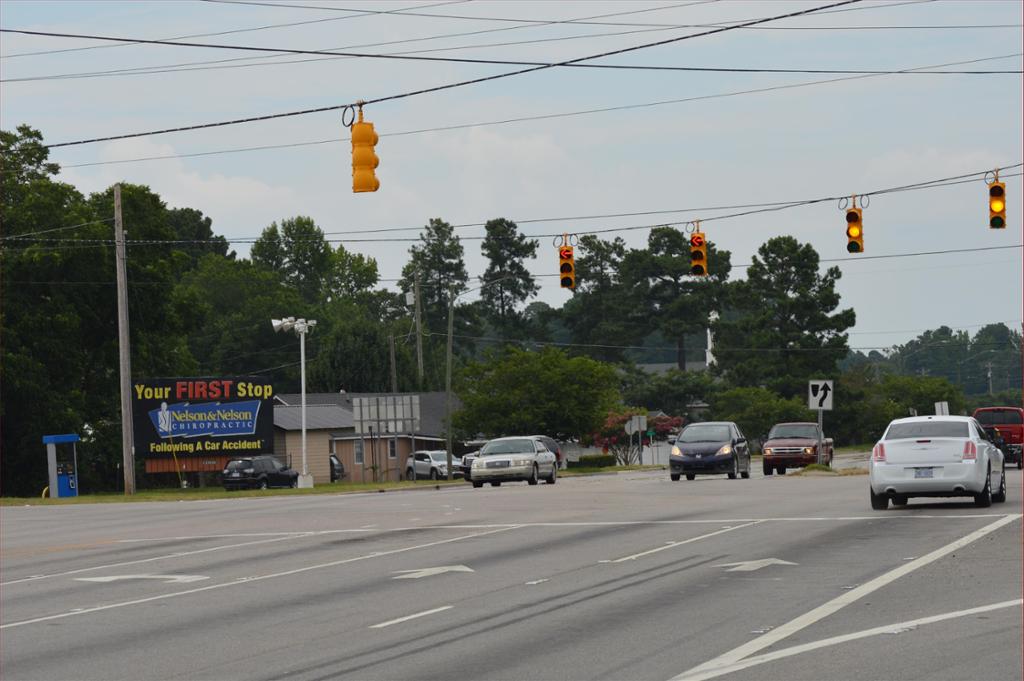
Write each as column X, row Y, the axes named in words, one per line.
column 712, row 447
column 337, row 469
column 258, row 472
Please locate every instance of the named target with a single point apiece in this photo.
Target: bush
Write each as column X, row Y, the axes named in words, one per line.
column 594, row 461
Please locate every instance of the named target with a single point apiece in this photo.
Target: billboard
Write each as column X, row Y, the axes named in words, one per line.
column 202, row 416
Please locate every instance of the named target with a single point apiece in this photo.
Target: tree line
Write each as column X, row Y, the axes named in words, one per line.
column 198, row 308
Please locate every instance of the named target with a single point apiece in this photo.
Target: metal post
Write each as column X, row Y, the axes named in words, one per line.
column 419, row 334
column 302, row 328
column 394, row 368
column 124, row 349
column 448, row 383
column 820, row 443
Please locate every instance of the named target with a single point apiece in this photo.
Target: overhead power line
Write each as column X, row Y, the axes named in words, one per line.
column 523, row 119
column 449, row 86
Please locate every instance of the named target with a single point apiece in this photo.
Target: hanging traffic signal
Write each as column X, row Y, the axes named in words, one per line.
column 364, row 160
column 997, row 205
column 698, row 254
column 854, row 230
column 566, row 267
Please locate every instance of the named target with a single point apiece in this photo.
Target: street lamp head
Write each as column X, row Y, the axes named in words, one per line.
column 285, row 324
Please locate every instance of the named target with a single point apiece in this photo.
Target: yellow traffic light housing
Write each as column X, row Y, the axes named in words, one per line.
column 364, row 158
column 854, row 230
column 566, row 267
column 997, row 205
column 698, row 254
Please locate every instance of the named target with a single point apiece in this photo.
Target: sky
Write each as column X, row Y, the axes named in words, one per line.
column 667, row 147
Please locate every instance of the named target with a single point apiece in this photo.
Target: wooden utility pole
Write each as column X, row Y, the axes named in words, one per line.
column 394, row 369
column 419, row 334
column 124, row 349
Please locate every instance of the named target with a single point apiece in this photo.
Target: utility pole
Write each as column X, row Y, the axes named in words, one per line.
column 419, row 333
column 448, row 382
column 394, row 369
column 988, row 368
column 124, row 349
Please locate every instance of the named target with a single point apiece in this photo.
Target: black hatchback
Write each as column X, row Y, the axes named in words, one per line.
column 258, row 472
column 710, row 448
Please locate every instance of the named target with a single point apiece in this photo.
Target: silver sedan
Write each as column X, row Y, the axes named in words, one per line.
column 514, row 458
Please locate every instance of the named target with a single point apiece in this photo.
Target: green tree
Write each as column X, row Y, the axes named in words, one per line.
column 300, row 254
column 782, row 327
column 438, row 260
column 756, row 410
column 190, row 225
column 517, row 392
column 672, row 392
column 506, row 282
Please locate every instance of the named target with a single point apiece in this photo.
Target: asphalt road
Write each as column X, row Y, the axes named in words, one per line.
column 626, row 576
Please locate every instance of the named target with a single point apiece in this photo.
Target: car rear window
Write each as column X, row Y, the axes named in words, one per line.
column 999, row 417
column 927, row 429
column 239, row 464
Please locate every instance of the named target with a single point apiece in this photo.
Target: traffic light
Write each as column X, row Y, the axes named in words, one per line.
column 364, row 160
column 854, row 230
column 566, row 267
column 997, row 205
column 698, row 254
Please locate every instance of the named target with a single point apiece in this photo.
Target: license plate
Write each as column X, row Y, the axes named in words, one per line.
column 922, row 472
column 497, row 464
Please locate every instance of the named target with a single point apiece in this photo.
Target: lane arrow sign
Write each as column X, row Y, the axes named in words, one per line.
column 427, row 572
column 170, row 579
column 751, row 565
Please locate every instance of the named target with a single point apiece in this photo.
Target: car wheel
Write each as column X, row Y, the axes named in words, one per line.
column 766, row 467
column 295, row 483
column 554, row 475
column 735, row 468
column 478, row 484
column 781, row 470
column 532, row 480
column 408, row 474
column 984, row 498
column 495, row 484
column 674, row 477
column 263, row 484
column 1000, row 496
column 879, row 502
column 691, row 476
column 899, row 500
column 745, row 474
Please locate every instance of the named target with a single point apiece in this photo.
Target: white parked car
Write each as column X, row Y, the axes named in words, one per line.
column 514, row 458
column 432, row 465
column 936, row 456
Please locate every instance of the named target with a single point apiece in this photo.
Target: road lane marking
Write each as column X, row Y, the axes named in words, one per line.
column 177, row 554
column 896, row 628
column 170, row 579
column 411, row 617
column 837, row 603
column 536, row 581
column 430, row 572
column 672, row 545
column 751, row 565
column 222, row 585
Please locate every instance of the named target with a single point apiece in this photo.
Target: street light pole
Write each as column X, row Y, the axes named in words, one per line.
column 448, row 382
column 301, row 328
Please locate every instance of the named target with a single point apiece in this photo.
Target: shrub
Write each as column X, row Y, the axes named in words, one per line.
column 594, row 461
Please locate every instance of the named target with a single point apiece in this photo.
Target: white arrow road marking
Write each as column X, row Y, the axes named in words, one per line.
column 428, row 572
column 170, row 579
column 536, row 581
column 411, row 617
column 751, row 565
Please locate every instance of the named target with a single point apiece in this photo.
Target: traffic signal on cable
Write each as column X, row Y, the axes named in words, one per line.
column 364, row 159
column 997, row 205
column 566, row 267
column 698, row 254
column 854, row 230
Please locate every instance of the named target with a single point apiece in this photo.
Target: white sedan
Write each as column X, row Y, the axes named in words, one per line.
column 514, row 458
column 936, row 456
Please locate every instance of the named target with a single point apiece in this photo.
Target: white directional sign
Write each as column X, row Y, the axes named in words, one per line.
column 819, row 395
column 427, row 572
column 751, row 565
column 170, row 579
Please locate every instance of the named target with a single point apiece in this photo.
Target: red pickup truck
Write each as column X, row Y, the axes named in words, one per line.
column 794, row 445
column 1009, row 421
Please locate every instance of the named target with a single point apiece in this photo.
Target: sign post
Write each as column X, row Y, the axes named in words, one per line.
column 819, row 397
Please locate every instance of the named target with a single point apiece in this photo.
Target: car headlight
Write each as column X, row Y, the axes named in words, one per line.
column 477, row 463
column 521, row 462
column 768, row 451
column 676, row 451
column 727, row 449
column 808, row 450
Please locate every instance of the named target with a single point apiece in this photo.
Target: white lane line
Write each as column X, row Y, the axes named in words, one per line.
column 411, row 617
column 898, row 627
column 837, row 603
column 177, row 554
column 222, row 585
column 672, row 545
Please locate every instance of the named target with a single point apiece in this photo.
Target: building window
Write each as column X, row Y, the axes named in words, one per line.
column 358, row 448
column 392, row 449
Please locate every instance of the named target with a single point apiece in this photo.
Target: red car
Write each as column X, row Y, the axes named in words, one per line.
column 1009, row 421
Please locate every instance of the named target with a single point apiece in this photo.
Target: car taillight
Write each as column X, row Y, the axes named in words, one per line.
column 970, row 450
column 878, row 453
